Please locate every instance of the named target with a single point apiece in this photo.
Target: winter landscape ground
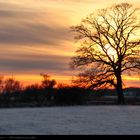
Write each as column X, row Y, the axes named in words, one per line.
column 70, row 120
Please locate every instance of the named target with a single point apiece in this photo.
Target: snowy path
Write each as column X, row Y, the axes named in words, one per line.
column 71, row 120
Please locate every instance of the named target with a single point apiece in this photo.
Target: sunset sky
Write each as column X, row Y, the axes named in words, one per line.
column 35, row 37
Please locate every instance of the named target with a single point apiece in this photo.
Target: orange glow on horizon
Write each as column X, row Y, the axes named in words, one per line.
column 36, row 79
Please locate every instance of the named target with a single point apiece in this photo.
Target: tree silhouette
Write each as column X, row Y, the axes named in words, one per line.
column 1, row 85
column 110, row 46
column 11, row 86
column 48, row 85
column 47, row 82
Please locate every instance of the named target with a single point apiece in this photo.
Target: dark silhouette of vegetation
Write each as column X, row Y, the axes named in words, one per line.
column 70, row 96
column 48, row 86
column 33, row 93
column 13, row 94
column 110, row 47
column 45, row 94
column 10, row 88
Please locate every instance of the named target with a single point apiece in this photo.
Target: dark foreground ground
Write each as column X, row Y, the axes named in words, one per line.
column 89, row 100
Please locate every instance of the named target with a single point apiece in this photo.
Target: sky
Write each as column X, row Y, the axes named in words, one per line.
column 35, row 37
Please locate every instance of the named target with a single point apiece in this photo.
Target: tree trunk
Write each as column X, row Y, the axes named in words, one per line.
column 119, row 90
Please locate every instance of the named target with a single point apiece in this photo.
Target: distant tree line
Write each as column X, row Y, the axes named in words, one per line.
column 49, row 93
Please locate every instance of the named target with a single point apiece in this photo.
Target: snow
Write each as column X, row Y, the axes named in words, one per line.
column 70, row 120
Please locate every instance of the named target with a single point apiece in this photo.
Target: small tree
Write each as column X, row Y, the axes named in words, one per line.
column 11, row 86
column 110, row 47
column 1, row 84
column 48, row 85
column 46, row 82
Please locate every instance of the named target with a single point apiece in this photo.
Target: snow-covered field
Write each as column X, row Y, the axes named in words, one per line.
column 71, row 120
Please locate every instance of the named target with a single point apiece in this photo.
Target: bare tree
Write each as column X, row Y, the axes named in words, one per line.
column 1, row 84
column 48, row 85
column 110, row 46
column 11, row 86
column 47, row 82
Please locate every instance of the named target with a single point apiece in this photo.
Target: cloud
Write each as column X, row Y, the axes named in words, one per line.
column 32, row 34
column 38, row 63
column 23, row 26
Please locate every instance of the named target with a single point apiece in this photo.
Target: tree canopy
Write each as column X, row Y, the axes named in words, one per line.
column 110, row 46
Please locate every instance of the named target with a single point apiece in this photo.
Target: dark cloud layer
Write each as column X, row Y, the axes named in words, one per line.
column 32, row 62
column 20, row 27
column 31, row 34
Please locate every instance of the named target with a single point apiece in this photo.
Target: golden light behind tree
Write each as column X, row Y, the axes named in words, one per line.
column 111, row 45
